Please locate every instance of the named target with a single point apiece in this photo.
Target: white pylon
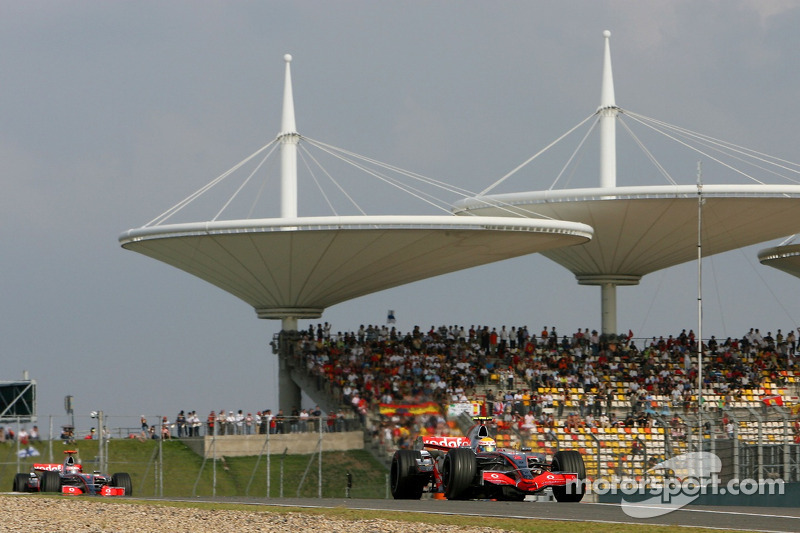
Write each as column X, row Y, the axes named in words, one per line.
column 289, row 139
column 608, row 173
column 608, row 122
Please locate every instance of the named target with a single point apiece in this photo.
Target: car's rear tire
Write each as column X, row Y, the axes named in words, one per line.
column 123, row 480
column 51, row 482
column 21, row 482
column 404, row 483
column 458, row 472
column 570, row 461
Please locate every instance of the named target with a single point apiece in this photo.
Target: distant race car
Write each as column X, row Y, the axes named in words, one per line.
column 69, row 478
column 471, row 467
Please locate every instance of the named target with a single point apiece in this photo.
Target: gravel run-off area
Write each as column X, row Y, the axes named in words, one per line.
column 80, row 514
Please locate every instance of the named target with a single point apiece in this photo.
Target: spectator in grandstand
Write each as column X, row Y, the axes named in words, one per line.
column 280, row 420
column 303, row 420
column 238, row 420
column 180, row 423
column 221, row 423
column 165, row 431
column 211, row 421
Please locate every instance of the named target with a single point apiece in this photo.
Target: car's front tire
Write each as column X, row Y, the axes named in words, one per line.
column 570, row 461
column 458, row 472
column 21, row 482
column 123, row 480
column 51, row 482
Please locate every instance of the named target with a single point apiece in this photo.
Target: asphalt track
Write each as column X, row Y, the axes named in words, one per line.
column 777, row 519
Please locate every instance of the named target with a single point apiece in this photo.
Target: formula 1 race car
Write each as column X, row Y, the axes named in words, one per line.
column 69, row 478
column 471, row 467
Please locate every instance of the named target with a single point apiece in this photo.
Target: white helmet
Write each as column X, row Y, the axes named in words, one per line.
column 487, row 444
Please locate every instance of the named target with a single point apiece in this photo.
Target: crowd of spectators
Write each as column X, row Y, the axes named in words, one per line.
column 24, row 436
column 222, row 422
column 525, row 379
column 528, row 379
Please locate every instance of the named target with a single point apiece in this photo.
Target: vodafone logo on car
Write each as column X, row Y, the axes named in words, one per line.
column 446, row 442
column 47, row 467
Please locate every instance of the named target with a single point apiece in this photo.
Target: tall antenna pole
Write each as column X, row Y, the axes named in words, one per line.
column 700, row 296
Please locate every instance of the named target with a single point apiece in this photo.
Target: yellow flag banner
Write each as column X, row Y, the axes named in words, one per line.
column 427, row 408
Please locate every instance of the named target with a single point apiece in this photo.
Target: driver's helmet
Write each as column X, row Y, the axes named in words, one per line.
column 487, row 445
column 73, row 469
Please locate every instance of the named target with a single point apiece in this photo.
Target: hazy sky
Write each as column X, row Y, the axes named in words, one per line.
column 111, row 112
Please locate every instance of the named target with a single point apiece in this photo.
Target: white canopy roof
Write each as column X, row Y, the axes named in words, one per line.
column 639, row 230
column 785, row 257
column 298, row 267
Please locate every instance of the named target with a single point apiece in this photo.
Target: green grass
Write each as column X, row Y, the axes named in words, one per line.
column 183, row 468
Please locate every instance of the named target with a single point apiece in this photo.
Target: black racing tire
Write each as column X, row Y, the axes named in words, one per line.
column 570, row 461
column 458, row 473
column 405, row 484
column 50, row 482
column 21, row 482
column 123, row 480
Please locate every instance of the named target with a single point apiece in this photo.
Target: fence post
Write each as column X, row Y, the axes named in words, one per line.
column 50, row 445
column 161, row 460
column 735, row 446
column 269, row 463
column 214, row 458
column 16, row 439
column 282, row 458
column 597, row 444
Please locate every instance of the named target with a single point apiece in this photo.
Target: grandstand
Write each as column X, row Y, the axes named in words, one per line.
column 614, row 403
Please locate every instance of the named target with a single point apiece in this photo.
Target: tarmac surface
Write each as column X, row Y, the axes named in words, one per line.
column 777, row 519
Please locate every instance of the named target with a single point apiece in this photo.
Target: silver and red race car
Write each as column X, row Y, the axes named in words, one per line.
column 68, row 478
column 471, row 467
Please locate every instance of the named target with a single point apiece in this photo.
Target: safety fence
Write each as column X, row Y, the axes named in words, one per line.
column 258, row 465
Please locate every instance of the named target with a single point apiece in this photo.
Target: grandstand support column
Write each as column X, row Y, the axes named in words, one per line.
column 289, row 392
column 289, row 395
column 608, row 306
column 608, row 296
